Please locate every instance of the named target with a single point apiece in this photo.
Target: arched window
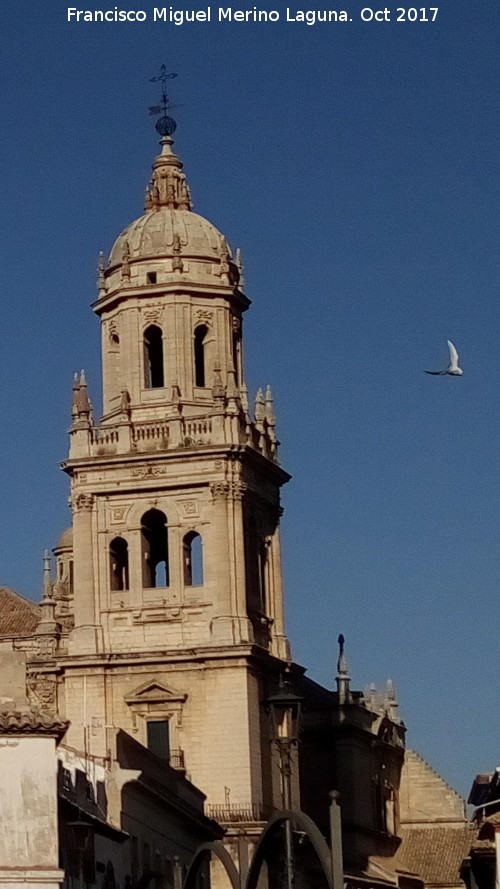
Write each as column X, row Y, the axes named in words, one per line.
column 154, row 549
column 200, row 335
column 192, row 553
column 153, row 357
column 118, row 564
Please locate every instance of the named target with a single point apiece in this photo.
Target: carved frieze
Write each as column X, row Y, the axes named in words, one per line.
column 153, row 313
column 119, row 514
column 149, row 471
column 189, row 507
column 204, row 315
column 83, row 502
column 238, row 489
column 219, row 490
column 42, row 692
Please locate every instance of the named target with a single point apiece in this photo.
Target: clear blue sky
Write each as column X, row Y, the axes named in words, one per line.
column 356, row 165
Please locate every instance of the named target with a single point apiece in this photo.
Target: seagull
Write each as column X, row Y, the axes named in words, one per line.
column 453, row 369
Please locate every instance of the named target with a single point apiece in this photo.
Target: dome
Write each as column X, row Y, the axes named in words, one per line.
column 66, row 540
column 165, row 232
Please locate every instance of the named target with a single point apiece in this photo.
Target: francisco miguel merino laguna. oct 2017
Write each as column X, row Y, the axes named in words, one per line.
column 171, row 15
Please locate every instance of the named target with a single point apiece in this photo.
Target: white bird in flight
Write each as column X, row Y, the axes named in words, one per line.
column 453, row 369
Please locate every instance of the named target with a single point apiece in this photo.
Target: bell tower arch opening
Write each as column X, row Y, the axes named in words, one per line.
column 200, row 355
column 154, row 376
column 118, row 564
column 154, row 546
column 192, row 551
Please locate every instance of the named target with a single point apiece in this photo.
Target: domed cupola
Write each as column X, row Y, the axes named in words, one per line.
column 171, row 304
column 169, row 242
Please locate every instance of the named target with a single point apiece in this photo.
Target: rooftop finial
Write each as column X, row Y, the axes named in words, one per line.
column 165, row 125
column 343, row 676
column 168, row 187
column 47, row 583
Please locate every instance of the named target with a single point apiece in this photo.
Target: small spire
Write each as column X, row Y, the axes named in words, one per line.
column 82, row 407
column 76, row 389
column 126, row 261
column 218, row 390
column 259, row 406
column 175, row 396
column 168, row 183
column 47, row 582
column 125, row 402
column 239, row 265
column 177, row 264
column 270, row 417
column 232, row 393
column 244, row 398
column 101, row 269
column 392, row 704
column 168, row 187
column 342, row 678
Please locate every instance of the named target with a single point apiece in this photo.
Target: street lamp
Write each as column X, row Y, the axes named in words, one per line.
column 81, row 833
column 284, row 708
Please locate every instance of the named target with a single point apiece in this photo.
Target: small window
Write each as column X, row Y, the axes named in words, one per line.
column 151, row 277
column 159, row 738
column 193, row 559
column 200, row 335
column 153, row 357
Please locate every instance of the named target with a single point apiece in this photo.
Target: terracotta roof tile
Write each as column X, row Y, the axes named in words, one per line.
column 29, row 721
column 436, row 853
column 18, row 616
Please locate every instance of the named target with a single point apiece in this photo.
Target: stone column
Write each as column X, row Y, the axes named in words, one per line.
column 86, row 636
column 276, row 606
column 219, row 556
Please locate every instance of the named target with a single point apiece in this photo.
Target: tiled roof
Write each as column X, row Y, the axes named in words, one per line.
column 436, row 853
column 29, row 721
column 18, row 616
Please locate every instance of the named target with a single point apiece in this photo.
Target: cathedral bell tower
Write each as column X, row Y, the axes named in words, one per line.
column 175, row 492
column 176, row 585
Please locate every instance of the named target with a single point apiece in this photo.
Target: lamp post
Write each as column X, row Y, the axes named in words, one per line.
column 81, row 835
column 284, row 708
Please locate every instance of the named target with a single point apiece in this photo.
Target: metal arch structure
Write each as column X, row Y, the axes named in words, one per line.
column 298, row 820
column 218, row 849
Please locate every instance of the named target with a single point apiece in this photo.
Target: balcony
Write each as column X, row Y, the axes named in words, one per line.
column 238, row 813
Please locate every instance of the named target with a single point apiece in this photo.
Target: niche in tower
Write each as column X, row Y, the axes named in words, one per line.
column 153, row 357
column 154, row 541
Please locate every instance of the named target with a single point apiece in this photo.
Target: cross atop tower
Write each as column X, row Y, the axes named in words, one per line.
column 165, row 125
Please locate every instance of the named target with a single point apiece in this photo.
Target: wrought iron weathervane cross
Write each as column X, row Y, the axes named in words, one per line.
column 165, row 125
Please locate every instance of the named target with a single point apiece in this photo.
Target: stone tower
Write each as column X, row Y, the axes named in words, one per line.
column 175, row 567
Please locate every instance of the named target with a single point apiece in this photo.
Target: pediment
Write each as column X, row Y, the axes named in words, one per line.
column 154, row 692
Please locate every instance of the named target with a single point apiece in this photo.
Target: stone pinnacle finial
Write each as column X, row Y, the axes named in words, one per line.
column 76, row 389
column 47, row 583
column 392, row 704
column 218, row 390
column 101, row 273
column 168, row 185
column 342, row 679
column 244, row 398
column 270, row 417
column 259, row 406
column 239, row 265
column 82, row 407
